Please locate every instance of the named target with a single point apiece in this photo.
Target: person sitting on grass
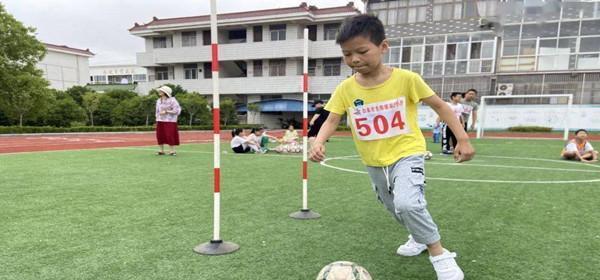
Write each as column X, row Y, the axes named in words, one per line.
column 579, row 148
column 239, row 143
column 254, row 141
column 289, row 142
column 264, row 138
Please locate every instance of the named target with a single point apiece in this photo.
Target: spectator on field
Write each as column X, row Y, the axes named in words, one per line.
column 167, row 110
column 470, row 107
column 290, row 136
column 254, row 140
column 239, row 143
column 579, row 148
column 317, row 120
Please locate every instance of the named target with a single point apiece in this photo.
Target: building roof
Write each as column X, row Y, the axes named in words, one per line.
column 67, row 49
column 303, row 8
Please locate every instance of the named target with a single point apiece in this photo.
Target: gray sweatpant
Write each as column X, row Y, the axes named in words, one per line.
column 401, row 188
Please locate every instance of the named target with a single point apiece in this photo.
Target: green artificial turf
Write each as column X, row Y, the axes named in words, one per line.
column 125, row 213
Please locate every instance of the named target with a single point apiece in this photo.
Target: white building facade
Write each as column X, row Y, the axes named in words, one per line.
column 65, row 67
column 117, row 74
column 260, row 54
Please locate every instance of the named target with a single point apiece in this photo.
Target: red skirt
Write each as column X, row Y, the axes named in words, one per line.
column 167, row 133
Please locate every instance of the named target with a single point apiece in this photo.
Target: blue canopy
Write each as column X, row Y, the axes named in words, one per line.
column 278, row 105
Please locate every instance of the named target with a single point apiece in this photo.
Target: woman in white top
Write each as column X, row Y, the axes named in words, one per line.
column 239, row 144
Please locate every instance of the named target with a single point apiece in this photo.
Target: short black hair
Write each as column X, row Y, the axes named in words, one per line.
column 452, row 95
column 580, row 130
column 365, row 25
column 471, row 89
column 236, row 131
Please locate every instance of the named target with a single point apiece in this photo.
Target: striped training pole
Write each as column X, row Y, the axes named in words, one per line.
column 305, row 212
column 216, row 246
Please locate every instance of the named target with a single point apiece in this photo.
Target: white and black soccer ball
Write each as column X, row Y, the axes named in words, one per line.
column 343, row 270
column 427, row 155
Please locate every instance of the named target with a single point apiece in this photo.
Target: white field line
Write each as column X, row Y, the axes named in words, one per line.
column 324, row 163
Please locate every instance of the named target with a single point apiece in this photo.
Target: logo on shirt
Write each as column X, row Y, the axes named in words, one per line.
column 358, row 104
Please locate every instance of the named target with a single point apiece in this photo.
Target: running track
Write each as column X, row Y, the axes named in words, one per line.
column 77, row 141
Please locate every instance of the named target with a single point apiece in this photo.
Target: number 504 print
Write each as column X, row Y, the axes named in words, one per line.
column 379, row 120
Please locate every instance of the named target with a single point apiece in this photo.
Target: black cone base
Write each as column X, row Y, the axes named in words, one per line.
column 305, row 214
column 217, row 247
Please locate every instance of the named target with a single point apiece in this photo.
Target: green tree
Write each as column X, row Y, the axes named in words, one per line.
column 105, row 107
column 90, row 102
column 64, row 112
column 23, row 96
column 149, row 107
column 177, row 89
column 77, row 93
column 21, row 84
column 228, row 113
column 194, row 105
column 129, row 112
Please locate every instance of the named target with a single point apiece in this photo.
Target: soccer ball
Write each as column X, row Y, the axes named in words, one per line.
column 343, row 270
column 427, row 155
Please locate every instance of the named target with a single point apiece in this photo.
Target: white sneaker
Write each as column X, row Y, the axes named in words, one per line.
column 411, row 248
column 445, row 266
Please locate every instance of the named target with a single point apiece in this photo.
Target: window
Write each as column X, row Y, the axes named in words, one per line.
column 277, row 67
column 237, row 36
column 462, row 51
column 206, row 39
column 527, row 47
column 277, row 32
column 331, row 67
column 475, row 51
column 207, row 70
column 330, row 31
column 160, row 42
column 188, row 39
column 590, row 27
column 312, row 32
column 257, row 66
column 312, row 67
column 99, row 79
column 450, row 51
column 487, row 49
column 190, row 71
column 139, row 77
column 570, row 28
column 417, row 53
column 257, row 34
column 591, row 44
column 510, row 47
column 406, row 54
column 162, row 73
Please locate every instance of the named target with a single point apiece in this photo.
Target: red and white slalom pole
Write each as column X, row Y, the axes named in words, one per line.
column 216, row 246
column 305, row 212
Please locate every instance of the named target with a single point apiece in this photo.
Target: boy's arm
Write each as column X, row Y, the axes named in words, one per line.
column 317, row 151
column 474, row 113
column 464, row 151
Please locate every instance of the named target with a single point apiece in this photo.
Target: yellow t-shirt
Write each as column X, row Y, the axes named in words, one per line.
column 383, row 118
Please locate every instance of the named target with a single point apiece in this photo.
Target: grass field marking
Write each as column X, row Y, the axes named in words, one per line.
column 324, row 163
column 203, row 152
column 541, row 159
column 498, row 165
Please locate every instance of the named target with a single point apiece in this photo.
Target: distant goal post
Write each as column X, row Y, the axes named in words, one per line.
column 555, row 113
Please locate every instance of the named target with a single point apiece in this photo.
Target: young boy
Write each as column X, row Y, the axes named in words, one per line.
column 471, row 106
column 580, row 149
column 448, row 138
column 382, row 106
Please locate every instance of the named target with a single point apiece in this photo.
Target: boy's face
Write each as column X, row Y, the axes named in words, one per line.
column 362, row 55
column 456, row 98
column 470, row 95
column 582, row 135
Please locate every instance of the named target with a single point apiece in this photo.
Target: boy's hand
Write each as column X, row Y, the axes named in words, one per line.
column 463, row 151
column 317, row 152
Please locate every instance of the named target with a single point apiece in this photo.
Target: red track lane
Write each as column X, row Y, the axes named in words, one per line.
column 78, row 141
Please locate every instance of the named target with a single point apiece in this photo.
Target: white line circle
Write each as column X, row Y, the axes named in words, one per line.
column 324, row 163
